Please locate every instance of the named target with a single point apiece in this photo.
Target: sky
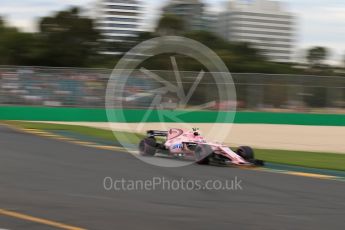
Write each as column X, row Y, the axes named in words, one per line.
column 319, row 22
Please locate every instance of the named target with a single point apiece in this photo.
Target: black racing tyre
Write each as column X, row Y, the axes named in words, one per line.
column 246, row 153
column 202, row 154
column 147, row 146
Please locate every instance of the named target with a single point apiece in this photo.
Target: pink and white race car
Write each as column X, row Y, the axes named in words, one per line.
column 190, row 145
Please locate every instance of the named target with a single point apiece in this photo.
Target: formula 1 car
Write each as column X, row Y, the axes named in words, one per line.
column 190, row 145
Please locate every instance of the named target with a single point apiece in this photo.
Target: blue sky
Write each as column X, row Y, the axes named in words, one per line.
column 320, row 22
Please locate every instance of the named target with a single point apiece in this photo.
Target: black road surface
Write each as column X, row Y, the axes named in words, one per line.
column 63, row 182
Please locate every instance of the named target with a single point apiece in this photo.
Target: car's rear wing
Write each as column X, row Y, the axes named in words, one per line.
column 157, row 133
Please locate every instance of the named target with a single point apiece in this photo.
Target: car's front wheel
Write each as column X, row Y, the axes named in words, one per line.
column 246, row 153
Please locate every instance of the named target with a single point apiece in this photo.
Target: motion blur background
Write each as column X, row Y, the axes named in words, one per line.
column 283, row 56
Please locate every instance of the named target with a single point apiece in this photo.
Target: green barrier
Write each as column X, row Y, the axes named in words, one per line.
column 99, row 115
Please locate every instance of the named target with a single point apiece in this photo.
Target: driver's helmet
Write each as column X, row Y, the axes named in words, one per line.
column 195, row 132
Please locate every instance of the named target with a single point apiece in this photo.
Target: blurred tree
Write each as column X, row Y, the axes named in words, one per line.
column 1, row 23
column 316, row 55
column 170, row 25
column 68, row 39
column 246, row 53
column 238, row 56
column 144, row 36
column 209, row 39
column 15, row 46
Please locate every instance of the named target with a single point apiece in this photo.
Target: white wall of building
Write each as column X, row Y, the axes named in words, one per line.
column 119, row 19
column 263, row 23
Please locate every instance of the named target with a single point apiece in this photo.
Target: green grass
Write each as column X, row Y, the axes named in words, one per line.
column 331, row 161
column 319, row 160
column 92, row 132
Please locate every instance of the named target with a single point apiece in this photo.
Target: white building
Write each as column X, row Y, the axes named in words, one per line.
column 119, row 20
column 191, row 11
column 210, row 20
column 264, row 24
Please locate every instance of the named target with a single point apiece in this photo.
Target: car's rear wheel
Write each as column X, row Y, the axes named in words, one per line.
column 147, row 147
column 246, row 153
column 202, row 154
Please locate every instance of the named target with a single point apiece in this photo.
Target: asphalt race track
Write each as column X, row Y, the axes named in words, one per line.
column 63, row 183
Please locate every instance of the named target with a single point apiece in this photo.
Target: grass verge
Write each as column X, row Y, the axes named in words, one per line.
column 331, row 161
column 320, row 160
column 83, row 130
